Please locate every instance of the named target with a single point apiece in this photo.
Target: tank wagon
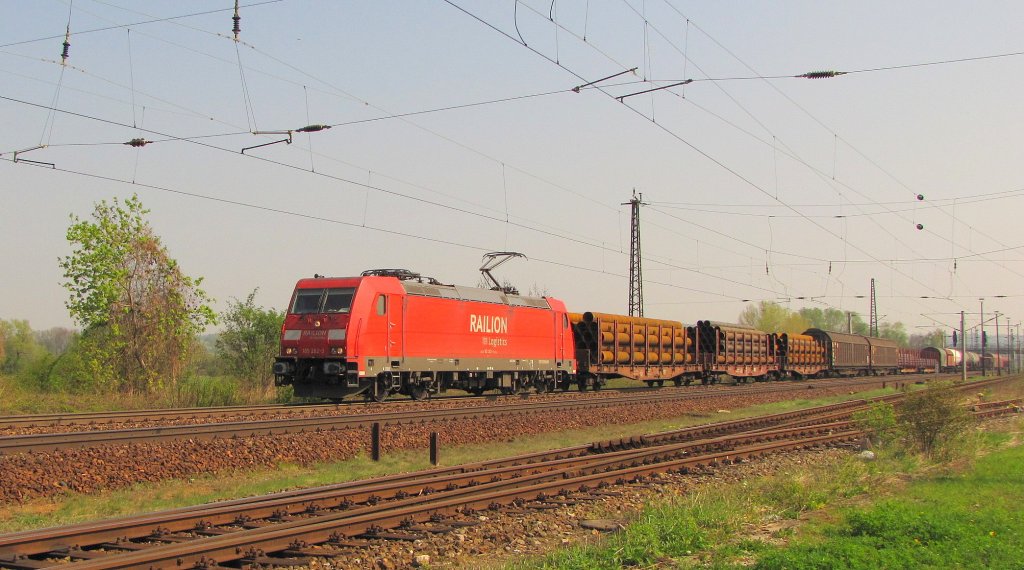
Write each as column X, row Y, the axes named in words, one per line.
column 392, row 331
column 995, row 361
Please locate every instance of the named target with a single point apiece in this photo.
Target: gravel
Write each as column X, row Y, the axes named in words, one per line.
column 87, row 470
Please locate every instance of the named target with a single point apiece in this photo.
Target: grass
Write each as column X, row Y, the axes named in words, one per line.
column 963, row 516
column 686, row 529
column 969, row 519
column 196, row 391
column 69, row 509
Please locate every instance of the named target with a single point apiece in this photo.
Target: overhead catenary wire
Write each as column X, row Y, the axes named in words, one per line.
column 385, row 191
column 355, row 225
column 671, row 133
column 140, row 23
column 832, row 131
column 817, row 171
column 754, row 118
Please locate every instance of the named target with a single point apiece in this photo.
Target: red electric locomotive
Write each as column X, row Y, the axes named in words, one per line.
column 394, row 331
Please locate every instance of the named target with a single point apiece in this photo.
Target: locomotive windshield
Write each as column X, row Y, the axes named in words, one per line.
column 337, row 300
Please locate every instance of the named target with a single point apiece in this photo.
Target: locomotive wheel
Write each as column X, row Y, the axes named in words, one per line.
column 419, row 392
column 476, row 391
column 379, row 391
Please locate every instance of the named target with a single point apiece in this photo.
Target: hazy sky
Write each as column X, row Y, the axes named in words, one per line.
column 760, row 185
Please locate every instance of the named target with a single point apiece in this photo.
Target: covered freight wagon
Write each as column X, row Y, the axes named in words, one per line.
column 885, row 355
column 949, row 358
column 846, row 354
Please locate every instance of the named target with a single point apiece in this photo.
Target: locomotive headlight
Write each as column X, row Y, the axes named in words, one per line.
column 290, row 350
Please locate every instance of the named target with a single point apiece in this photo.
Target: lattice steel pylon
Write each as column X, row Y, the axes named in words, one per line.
column 874, row 311
column 636, row 279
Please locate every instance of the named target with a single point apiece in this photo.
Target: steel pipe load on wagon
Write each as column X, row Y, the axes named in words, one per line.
column 625, row 340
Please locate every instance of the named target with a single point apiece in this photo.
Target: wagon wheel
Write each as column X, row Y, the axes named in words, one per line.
column 476, row 391
column 677, row 381
column 419, row 392
column 661, row 383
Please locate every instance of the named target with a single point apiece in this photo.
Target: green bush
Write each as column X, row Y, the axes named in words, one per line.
column 198, row 391
column 934, row 421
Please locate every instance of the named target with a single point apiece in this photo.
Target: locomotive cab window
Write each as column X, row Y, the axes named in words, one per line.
column 307, row 301
column 382, row 305
column 339, row 300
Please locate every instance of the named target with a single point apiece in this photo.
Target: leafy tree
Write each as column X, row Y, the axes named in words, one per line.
column 893, row 331
column 19, row 347
column 772, row 317
column 250, row 340
column 833, row 320
column 139, row 312
column 56, row 339
column 936, row 337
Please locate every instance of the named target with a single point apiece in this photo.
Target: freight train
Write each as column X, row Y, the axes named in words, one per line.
column 396, row 332
column 951, row 359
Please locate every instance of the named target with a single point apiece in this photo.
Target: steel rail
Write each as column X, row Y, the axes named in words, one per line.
column 14, row 444
column 124, row 416
column 356, row 522
column 400, row 486
column 43, row 540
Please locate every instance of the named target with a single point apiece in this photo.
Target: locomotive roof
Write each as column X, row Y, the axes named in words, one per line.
column 473, row 294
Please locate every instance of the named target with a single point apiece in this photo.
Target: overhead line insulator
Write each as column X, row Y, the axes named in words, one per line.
column 312, row 128
column 821, row 74
column 137, row 142
column 236, row 28
column 67, row 47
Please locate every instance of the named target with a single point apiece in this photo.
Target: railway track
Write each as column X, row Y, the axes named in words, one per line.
column 334, row 520
column 39, row 442
column 98, row 419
